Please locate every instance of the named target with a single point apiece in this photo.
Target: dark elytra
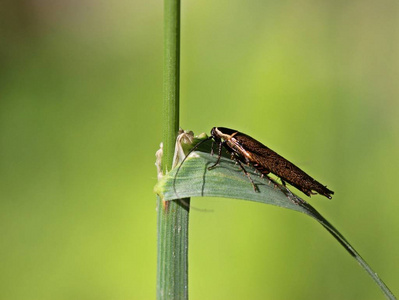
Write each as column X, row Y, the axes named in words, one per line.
column 245, row 149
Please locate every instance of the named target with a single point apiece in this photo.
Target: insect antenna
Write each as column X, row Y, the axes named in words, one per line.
column 184, row 159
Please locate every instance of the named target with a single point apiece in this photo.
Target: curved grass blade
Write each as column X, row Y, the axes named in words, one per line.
column 227, row 180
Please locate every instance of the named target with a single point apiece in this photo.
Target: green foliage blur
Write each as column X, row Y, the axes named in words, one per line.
column 80, row 121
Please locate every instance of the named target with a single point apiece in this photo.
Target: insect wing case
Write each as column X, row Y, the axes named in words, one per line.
column 266, row 160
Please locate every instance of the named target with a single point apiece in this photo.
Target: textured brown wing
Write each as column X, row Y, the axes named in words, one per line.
column 266, row 160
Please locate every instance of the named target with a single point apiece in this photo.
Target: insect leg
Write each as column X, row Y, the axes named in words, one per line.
column 276, row 184
column 264, row 173
column 219, row 155
column 246, row 173
column 293, row 198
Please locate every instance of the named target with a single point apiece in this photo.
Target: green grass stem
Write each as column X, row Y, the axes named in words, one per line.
column 172, row 264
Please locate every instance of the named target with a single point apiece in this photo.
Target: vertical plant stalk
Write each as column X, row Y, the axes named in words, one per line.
column 172, row 265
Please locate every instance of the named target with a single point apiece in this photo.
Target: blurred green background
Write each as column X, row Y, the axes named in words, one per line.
column 80, row 121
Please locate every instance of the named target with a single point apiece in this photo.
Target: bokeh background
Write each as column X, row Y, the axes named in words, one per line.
column 80, row 121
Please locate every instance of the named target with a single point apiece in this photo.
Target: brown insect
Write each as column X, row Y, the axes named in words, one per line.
column 247, row 150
